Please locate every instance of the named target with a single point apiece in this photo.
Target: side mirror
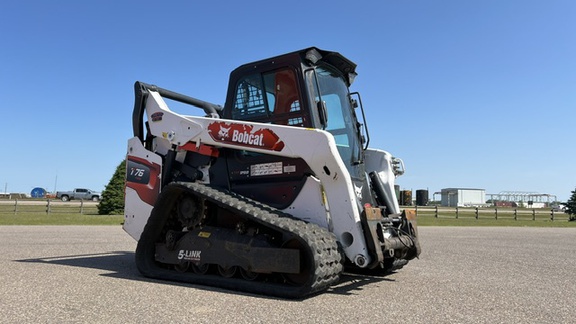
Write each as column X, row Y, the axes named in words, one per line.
column 322, row 113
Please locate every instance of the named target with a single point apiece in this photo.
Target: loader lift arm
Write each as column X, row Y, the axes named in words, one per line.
column 141, row 91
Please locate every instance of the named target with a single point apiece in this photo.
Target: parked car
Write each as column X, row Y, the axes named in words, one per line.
column 79, row 193
column 559, row 207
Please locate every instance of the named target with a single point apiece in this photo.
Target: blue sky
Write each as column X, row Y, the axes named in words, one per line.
column 476, row 94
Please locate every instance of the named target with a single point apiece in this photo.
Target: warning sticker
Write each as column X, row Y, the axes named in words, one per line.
column 266, row 169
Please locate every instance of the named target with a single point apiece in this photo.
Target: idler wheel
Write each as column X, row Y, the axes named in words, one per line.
column 248, row 275
column 227, row 272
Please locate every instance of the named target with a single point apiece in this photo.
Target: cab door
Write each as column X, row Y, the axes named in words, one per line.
column 270, row 97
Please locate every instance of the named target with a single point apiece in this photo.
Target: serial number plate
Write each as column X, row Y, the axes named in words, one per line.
column 266, row 169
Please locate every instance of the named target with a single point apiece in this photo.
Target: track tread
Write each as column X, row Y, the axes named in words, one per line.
column 323, row 247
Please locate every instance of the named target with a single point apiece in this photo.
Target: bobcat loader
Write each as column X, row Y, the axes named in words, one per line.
column 275, row 193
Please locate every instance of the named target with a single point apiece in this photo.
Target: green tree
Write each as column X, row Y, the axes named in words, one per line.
column 112, row 202
column 571, row 206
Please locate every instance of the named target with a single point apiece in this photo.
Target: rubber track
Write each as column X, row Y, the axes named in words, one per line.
column 324, row 257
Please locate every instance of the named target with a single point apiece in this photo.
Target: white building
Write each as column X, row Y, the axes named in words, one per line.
column 463, row 197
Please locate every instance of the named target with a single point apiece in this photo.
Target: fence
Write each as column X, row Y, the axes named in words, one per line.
column 47, row 206
column 492, row 213
column 50, row 206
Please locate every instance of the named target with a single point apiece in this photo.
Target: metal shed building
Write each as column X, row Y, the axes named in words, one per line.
column 463, row 197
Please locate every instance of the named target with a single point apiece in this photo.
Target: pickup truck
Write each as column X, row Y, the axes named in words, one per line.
column 78, row 193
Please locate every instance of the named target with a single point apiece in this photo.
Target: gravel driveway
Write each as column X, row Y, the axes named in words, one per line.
column 86, row 274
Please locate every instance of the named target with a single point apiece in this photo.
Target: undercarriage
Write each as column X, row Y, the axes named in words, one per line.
column 203, row 235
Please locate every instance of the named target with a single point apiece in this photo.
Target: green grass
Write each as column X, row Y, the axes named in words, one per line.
column 489, row 216
column 60, row 219
column 93, row 219
column 465, row 221
column 30, row 212
column 72, row 214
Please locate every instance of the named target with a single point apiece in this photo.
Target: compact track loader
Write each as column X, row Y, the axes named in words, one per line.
column 275, row 193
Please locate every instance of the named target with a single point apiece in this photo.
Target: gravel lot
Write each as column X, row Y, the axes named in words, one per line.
column 86, row 274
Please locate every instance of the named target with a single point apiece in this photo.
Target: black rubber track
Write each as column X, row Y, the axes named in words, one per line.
column 320, row 248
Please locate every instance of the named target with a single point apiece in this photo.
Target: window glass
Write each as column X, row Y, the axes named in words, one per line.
column 341, row 120
column 270, row 97
column 250, row 100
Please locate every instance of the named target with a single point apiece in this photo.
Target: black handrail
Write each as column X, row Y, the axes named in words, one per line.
column 141, row 91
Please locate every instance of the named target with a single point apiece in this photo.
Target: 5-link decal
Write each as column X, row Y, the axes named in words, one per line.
column 187, row 255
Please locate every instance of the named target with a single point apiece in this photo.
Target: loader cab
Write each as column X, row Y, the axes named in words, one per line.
column 307, row 88
column 269, row 91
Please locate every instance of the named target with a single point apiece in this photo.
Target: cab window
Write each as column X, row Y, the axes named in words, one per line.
column 270, row 97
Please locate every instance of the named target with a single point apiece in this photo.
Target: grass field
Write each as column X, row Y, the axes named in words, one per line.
column 489, row 216
column 60, row 219
column 41, row 213
column 441, row 221
column 75, row 213
column 92, row 219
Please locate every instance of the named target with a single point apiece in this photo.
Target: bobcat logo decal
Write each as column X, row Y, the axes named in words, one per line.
column 245, row 135
column 223, row 132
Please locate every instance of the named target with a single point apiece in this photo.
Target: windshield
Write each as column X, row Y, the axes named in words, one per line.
column 341, row 123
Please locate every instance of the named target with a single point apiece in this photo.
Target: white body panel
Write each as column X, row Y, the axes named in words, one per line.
column 135, row 214
column 306, row 206
column 137, row 210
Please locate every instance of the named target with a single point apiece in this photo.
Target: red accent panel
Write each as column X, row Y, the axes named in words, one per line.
column 203, row 149
column 149, row 191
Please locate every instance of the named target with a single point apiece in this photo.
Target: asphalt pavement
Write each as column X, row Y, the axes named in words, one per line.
column 86, row 274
